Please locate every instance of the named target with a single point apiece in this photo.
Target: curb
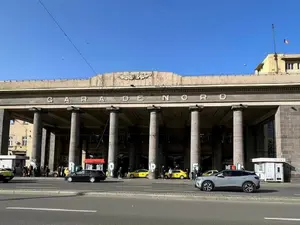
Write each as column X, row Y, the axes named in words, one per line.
column 37, row 192
column 192, row 197
column 271, row 199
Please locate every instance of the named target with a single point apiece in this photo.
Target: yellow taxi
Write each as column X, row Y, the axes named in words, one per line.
column 7, row 175
column 141, row 173
column 209, row 173
column 177, row 174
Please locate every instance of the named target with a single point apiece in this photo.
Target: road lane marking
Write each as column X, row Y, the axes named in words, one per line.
column 51, row 209
column 282, row 219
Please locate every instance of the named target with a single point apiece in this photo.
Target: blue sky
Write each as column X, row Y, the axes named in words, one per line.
column 188, row 37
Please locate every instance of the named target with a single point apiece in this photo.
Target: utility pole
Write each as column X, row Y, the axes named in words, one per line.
column 274, row 45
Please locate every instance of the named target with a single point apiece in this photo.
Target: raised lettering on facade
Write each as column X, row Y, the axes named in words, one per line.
column 137, row 98
column 135, row 75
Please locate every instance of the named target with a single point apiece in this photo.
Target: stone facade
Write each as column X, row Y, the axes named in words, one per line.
column 61, row 98
column 158, row 79
column 287, row 134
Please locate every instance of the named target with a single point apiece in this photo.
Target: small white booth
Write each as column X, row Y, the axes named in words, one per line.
column 271, row 169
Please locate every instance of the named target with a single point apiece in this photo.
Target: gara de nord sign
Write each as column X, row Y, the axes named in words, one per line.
column 135, row 99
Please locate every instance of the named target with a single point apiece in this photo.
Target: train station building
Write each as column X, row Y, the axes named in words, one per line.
column 149, row 119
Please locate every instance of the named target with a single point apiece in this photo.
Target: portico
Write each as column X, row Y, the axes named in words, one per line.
column 153, row 120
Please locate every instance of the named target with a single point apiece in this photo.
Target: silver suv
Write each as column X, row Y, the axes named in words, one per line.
column 229, row 179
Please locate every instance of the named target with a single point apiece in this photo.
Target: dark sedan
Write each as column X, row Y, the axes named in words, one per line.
column 86, row 176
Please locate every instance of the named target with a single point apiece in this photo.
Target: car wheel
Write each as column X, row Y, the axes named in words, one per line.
column 181, row 177
column 55, row 175
column 248, row 187
column 131, row 176
column 92, row 179
column 70, row 179
column 5, row 181
column 207, row 186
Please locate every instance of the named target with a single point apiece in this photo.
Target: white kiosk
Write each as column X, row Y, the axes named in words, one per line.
column 271, row 169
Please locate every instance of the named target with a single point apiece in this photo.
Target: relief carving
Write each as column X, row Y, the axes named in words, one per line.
column 135, row 75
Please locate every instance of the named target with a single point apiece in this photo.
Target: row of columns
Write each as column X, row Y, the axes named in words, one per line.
column 74, row 147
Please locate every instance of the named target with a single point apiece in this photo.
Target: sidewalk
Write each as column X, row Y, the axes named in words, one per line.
column 158, row 181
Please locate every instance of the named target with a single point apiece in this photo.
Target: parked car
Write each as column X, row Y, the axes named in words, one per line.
column 210, row 172
column 177, row 174
column 141, row 173
column 7, row 175
column 86, row 176
column 248, row 181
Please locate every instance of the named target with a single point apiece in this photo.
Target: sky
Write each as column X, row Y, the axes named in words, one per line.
column 187, row 37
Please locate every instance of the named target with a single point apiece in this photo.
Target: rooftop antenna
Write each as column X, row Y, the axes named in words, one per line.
column 274, row 46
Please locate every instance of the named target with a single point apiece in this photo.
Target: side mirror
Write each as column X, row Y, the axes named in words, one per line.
column 220, row 175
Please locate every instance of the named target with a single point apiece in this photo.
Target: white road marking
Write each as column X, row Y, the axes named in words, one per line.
column 51, row 209
column 282, row 219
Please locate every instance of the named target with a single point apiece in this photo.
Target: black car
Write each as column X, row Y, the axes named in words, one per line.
column 86, row 176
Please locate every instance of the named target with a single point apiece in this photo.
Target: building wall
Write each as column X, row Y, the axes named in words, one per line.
column 116, row 81
column 269, row 64
column 18, row 130
column 287, row 136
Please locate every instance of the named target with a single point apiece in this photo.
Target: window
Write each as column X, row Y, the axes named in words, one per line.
column 227, row 173
column 298, row 66
column 24, row 141
column 289, row 66
column 12, row 122
column 10, row 141
column 237, row 173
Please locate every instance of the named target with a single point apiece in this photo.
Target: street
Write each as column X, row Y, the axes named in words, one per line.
column 143, row 186
column 67, row 210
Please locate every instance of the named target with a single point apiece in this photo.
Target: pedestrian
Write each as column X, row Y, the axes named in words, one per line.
column 120, row 173
column 162, row 172
column 170, row 173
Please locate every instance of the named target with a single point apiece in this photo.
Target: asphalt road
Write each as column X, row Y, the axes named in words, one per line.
column 35, row 210
column 142, row 186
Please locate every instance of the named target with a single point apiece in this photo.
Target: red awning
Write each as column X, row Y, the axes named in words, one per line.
column 94, row 161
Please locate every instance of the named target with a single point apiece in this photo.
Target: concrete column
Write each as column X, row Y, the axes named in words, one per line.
column 195, row 146
column 153, row 142
column 113, row 140
column 4, row 131
column 37, row 137
column 74, row 138
column 52, row 151
column 238, row 139
column 266, row 140
column 44, row 147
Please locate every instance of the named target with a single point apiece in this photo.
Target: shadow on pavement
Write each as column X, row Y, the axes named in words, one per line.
column 257, row 192
column 111, row 181
column 42, row 197
column 101, row 182
column 266, row 191
column 21, row 181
